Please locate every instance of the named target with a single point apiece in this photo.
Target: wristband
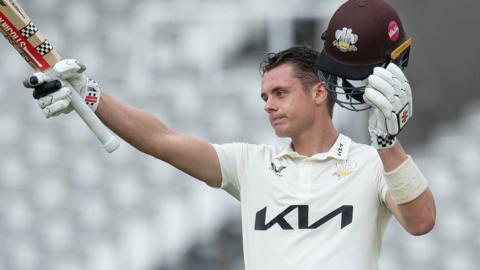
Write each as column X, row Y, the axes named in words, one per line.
column 406, row 182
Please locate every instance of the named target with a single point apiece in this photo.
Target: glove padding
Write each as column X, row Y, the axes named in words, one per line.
column 389, row 94
column 70, row 73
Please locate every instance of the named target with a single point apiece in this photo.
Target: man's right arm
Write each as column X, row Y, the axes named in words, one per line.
column 140, row 129
column 148, row 134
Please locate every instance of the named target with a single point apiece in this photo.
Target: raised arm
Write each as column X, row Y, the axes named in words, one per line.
column 408, row 197
column 140, row 129
column 412, row 204
column 149, row 135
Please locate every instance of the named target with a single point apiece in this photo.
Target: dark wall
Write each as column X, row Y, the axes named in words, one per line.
column 445, row 60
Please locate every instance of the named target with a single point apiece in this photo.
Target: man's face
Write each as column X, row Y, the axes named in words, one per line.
column 290, row 108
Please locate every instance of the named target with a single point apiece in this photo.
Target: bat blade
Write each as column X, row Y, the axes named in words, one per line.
column 24, row 36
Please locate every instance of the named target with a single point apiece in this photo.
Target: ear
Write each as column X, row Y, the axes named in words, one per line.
column 319, row 93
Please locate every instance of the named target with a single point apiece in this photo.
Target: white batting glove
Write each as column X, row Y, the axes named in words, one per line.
column 389, row 94
column 70, row 74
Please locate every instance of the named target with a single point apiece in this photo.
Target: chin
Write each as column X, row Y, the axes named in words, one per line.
column 281, row 133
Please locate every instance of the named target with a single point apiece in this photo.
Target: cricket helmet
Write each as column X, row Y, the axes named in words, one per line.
column 361, row 35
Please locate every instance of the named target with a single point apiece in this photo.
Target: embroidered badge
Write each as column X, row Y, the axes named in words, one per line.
column 345, row 40
column 344, row 168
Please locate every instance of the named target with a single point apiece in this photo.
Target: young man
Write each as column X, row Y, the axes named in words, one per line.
column 322, row 202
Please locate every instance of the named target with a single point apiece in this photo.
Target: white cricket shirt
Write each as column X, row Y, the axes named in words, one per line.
column 325, row 212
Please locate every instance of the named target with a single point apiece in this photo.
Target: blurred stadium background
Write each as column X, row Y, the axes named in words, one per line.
column 67, row 205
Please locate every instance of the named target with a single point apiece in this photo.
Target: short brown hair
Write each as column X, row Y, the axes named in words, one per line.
column 303, row 59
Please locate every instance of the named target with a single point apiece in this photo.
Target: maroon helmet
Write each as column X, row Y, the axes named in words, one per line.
column 361, row 35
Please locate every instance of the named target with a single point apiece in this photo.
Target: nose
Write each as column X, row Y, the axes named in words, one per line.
column 269, row 106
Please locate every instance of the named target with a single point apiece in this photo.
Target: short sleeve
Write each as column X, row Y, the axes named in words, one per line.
column 234, row 159
column 382, row 187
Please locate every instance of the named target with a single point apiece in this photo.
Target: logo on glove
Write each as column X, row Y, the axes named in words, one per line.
column 404, row 116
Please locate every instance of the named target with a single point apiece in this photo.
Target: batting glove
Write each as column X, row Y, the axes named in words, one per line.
column 53, row 91
column 389, row 94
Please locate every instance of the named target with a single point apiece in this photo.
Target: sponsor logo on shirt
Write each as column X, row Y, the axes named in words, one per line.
column 261, row 224
column 277, row 171
column 340, row 149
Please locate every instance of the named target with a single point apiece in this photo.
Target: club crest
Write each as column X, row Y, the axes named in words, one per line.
column 345, row 40
column 343, row 169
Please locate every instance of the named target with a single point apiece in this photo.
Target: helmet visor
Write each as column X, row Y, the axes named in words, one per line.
column 347, row 93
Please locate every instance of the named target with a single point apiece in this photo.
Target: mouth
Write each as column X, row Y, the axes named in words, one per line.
column 277, row 120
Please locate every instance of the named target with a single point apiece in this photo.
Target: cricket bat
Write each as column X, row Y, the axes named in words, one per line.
column 35, row 49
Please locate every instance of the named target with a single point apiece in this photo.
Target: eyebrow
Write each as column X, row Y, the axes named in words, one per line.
column 273, row 91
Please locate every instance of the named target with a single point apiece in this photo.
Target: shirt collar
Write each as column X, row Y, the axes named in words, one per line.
column 339, row 150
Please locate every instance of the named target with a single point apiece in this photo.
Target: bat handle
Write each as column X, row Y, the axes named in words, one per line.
column 109, row 141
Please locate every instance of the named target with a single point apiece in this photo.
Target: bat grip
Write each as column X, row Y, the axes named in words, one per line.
column 109, row 141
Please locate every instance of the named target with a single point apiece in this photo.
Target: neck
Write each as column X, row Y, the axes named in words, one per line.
column 318, row 139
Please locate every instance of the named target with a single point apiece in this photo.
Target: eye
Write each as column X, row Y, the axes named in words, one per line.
column 280, row 93
column 264, row 98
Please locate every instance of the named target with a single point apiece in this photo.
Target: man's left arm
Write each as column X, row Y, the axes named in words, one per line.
column 408, row 197
column 412, row 202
